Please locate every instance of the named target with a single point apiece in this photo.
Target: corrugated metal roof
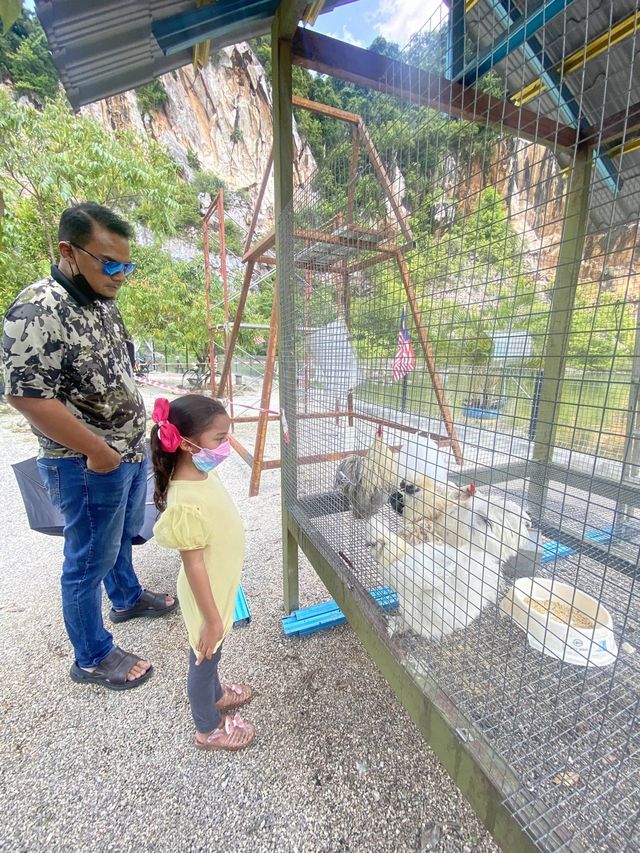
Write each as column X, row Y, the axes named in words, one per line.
column 603, row 86
column 105, row 47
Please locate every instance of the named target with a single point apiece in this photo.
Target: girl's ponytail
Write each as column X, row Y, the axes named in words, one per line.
column 163, row 464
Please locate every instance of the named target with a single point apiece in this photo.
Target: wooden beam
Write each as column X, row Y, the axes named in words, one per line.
column 366, row 68
column 325, row 110
column 226, row 369
column 266, row 260
column 383, row 177
column 340, row 240
column 429, row 358
column 265, row 400
column 281, row 74
column 370, row 262
column 260, row 247
column 613, row 127
column 241, row 450
column 258, row 204
column 353, row 166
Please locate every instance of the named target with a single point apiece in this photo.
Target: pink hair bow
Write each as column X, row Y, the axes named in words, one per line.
column 169, row 435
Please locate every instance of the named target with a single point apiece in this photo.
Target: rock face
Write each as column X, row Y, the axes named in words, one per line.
column 222, row 116
column 531, row 181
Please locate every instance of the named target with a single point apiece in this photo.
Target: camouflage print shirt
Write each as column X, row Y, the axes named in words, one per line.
column 61, row 344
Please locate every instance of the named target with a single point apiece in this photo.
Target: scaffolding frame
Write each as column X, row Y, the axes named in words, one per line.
column 328, row 250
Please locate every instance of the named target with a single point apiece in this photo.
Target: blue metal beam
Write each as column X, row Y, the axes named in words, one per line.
column 455, row 39
column 217, row 20
column 544, row 68
column 518, row 31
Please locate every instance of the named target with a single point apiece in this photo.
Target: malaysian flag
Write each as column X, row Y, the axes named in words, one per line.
column 404, row 360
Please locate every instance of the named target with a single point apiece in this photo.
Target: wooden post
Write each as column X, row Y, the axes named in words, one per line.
column 226, row 370
column 574, row 226
column 225, row 297
column 258, row 204
column 207, row 296
column 265, row 402
column 381, row 172
column 429, row 358
column 284, row 25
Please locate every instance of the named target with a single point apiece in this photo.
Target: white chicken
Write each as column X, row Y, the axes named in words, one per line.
column 441, row 588
column 434, row 508
column 464, row 517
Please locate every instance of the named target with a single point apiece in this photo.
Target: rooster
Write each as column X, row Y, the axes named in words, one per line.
column 367, row 481
column 441, row 588
column 465, row 517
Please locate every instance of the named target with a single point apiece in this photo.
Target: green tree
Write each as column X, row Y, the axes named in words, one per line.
column 25, row 59
column 152, row 97
column 50, row 159
column 165, row 300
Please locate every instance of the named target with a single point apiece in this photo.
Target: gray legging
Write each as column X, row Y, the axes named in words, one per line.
column 204, row 689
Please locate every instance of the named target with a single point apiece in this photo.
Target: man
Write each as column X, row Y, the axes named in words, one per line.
column 69, row 371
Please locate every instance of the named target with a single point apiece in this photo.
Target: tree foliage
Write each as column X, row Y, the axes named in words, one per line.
column 25, row 59
column 152, row 97
column 50, row 159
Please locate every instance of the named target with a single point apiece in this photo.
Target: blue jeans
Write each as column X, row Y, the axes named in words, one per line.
column 102, row 514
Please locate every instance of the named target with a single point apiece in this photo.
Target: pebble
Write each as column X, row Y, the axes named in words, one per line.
column 103, row 762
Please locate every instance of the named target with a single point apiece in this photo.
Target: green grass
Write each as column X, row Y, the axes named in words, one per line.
column 591, row 418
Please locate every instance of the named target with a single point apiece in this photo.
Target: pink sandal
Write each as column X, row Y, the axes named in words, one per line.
column 235, row 734
column 234, row 696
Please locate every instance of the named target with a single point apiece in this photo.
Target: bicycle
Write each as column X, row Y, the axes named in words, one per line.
column 196, row 377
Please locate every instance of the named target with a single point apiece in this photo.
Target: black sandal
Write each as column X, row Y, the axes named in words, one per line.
column 150, row 605
column 112, row 671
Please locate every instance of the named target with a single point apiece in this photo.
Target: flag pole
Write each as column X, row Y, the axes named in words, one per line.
column 403, row 404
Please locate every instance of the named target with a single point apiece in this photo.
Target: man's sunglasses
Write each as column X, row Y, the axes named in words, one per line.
column 108, row 267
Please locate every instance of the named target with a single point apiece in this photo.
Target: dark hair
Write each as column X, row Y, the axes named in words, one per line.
column 76, row 223
column 191, row 415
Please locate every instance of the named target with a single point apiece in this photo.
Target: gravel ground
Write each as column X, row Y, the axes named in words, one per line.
column 337, row 765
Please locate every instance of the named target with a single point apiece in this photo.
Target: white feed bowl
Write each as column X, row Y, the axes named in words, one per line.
column 549, row 634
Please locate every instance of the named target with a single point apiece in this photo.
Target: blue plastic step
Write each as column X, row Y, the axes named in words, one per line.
column 603, row 535
column 241, row 612
column 555, row 551
column 318, row 617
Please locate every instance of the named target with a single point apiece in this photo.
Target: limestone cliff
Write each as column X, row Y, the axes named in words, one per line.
column 529, row 177
column 221, row 115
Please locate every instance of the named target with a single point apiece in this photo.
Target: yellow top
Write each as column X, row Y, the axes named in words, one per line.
column 201, row 514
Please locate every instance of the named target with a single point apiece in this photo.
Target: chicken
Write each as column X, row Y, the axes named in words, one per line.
column 367, row 481
column 423, row 467
column 488, row 521
column 440, row 588
column 464, row 517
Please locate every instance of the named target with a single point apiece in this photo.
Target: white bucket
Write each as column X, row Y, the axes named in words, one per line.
column 554, row 637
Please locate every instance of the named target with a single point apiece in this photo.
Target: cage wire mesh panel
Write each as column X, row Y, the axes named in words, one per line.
column 464, row 404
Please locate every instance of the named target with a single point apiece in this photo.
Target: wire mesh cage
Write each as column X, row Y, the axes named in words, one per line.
column 462, row 392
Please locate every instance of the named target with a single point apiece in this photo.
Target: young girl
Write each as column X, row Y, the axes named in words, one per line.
column 189, row 439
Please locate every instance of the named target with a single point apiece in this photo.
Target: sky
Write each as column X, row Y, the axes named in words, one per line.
column 359, row 23
column 396, row 20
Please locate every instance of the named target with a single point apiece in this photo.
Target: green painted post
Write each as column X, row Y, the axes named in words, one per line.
column 481, row 776
column 574, row 228
column 284, row 24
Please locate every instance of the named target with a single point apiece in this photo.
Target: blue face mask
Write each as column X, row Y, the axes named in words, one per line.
column 206, row 459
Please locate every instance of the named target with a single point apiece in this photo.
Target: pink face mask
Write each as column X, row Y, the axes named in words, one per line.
column 209, row 458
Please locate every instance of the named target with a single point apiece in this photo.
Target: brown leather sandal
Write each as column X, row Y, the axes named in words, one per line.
column 234, row 734
column 234, row 696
